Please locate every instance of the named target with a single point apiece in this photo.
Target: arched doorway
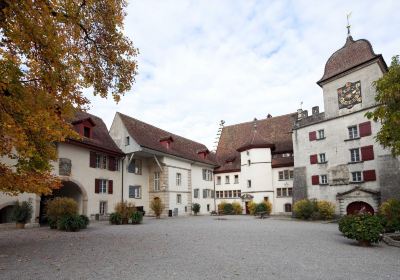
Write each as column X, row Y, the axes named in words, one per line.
column 69, row 188
column 359, row 207
column 5, row 214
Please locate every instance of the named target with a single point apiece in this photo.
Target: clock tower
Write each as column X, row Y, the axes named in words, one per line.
column 348, row 78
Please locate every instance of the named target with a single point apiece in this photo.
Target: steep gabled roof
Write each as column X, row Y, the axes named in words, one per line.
column 149, row 136
column 100, row 140
column 274, row 131
column 351, row 55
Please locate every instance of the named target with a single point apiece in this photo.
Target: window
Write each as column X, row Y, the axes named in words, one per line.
column 278, row 192
column 321, row 134
column 354, row 155
column 239, row 193
column 156, row 181
column 288, row 207
column 324, row 180
column 103, row 186
column 234, row 193
column 127, row 141
column 86, row 131
column 322, row 158
column 290, row 192
column 236, row 179
column 135, row 166
column 225, row 194
column 280, row 175
column 196, row 193
column 217, row 193
column 353, row 132
column 101, row 161
column 248, row 152
column 249, row 183
column 218, row 180
column 135, row 192
column 356, row 176
column 178, row 199
column 208, row 207
column 284, row 192
column 103, row 207
column 230, row 194
column 207, row 175
column 291, row 174
column 227, row 180
column 178, row 179
column 248, row 162
column 286, row 175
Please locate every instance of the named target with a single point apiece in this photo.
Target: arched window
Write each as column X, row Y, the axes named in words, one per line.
column 288, row 207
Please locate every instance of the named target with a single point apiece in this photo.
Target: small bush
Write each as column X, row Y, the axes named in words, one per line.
column 157, row 206
column 22, row 212
column 196, row 208
column 115, row 218
column 252, row 207
column 304, row 209
column 70, row 223
column 390, row 213
column 228, row 209
column 137, row 218
column 326, row 210
column 237, row 208
column 221, row 206
column 85, row 220
column 361, row 227
column 264, row 206
column 125, row 209
column 60, row 207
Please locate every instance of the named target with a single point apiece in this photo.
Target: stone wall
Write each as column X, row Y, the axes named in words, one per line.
column 389, row 177
column 299, row 184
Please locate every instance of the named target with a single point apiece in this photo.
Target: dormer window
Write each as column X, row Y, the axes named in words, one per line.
column 166, row 141
column 203, row 153
column 87, row 132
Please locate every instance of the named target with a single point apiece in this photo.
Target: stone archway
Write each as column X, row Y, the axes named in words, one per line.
column 5, row 212
column 70, row 188
column 359, row 207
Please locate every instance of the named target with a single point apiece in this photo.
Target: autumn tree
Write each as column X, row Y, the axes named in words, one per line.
column 50, row 50
column 388, row 111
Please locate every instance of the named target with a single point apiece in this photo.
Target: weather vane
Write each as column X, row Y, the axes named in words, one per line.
column 348, row 23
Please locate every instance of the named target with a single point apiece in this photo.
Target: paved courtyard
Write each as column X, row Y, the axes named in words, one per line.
column 194, row 248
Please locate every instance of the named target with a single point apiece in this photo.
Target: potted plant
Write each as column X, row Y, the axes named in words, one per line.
column 22, row 213
column 157, row 206
column 196, row 208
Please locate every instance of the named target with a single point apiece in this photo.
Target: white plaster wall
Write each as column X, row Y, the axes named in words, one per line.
column 367, row 75
column 181, row 206
column 199, row 183
column 118, row 133
column 278, row 203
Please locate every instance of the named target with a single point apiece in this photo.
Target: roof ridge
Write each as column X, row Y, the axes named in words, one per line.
column 173, row 134
column 264, row 119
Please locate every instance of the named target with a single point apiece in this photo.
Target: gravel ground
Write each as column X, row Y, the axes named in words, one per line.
column 194, row 248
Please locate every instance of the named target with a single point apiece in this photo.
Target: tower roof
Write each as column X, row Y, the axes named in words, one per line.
column 351, row 55
column 255, row 140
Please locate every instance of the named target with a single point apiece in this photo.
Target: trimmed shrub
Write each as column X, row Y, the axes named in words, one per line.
column 60, row 207
column 137, row 217
column 85, row 221
column 125, row 209
column 221, row 206
column 70, row 223
column 362, row 227
column 264, row 206
column 157, row 206
column 252, row 207
column 326, row 210
column 304, row 209
column 22, row 212
column 237, row 208
column 390, row 213
column 196, row 208
column 228, row 209
column 115, row 218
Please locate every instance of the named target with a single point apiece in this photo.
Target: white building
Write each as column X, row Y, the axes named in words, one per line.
column 336, row 155
column 89, row 170
column 256, row 163
column 163, row 165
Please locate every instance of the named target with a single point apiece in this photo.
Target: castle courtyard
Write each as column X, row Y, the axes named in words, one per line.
column 203, row 247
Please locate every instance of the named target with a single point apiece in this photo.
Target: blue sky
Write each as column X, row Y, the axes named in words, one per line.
column 205, row 61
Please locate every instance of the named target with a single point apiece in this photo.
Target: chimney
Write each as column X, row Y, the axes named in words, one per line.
column 299, row 114
column 305, row 113
column 315, row 110
column 269, row 116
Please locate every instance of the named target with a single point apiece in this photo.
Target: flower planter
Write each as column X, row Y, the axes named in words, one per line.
column 20, row 225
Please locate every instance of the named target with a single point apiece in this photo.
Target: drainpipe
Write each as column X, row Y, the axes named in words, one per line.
column 215, row 194
column 122, row 179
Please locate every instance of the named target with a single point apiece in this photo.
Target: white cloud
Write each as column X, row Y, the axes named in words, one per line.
column 203, row 61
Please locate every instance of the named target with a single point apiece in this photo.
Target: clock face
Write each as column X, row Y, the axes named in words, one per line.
column 349, row 95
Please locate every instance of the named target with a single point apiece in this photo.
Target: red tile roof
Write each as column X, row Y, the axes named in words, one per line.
column 352, row 54
column 100, row 140
column 275, row 130
column 149, row 136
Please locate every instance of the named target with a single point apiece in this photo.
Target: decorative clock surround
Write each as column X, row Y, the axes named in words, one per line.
column 349, row 95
